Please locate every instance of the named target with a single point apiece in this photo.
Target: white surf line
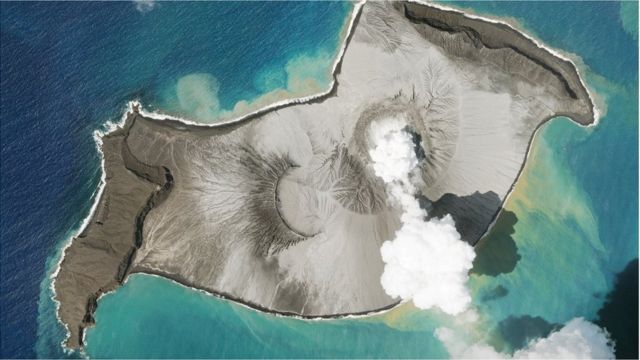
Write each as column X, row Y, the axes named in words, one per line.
column 97, row 195
column 111, row 127
column 555, row 52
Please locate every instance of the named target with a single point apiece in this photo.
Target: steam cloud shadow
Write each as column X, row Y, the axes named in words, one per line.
column 496, row 252
column 518, row 331
column 619, row 315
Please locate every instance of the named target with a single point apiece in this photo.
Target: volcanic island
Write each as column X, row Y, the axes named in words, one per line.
column 280, row 210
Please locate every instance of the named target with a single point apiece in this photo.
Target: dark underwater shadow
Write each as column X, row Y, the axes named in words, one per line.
column 619, row 314
column 496, row 251
column 518, row 331
column 472, row 213
column 495, row 293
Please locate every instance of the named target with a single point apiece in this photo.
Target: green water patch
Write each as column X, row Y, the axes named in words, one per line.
column 558, row 242
column 629, row 17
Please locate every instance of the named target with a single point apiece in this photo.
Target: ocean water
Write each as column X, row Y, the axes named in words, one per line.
column 66, row 68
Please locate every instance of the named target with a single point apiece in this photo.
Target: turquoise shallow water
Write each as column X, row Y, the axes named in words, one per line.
column 576, row 205
column 201, row 326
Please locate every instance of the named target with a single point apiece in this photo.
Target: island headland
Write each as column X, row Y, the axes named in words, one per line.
column 281, row 210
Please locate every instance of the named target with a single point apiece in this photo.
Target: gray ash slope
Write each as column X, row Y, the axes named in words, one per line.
column 282, row 211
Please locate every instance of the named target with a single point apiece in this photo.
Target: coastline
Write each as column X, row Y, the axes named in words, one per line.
column 335, row 70
column 132, row 105
column 256, row 307
column 156, row 115
column 97, row 137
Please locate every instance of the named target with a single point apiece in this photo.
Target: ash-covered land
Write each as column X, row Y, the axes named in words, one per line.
column 282, row 210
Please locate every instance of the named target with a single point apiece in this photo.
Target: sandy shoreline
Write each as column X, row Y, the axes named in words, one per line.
column 180, row 122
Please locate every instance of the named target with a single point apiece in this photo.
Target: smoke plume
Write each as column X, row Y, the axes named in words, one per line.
column 426, row 262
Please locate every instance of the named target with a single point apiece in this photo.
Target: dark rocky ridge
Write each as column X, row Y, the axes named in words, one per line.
column 501, row 36
column 99, row 259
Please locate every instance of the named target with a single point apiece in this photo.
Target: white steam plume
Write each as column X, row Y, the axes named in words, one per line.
column 578, row 339
column 144, row 6
column 427, row 262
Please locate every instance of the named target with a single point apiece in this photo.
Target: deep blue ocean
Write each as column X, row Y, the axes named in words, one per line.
column 67, row 68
